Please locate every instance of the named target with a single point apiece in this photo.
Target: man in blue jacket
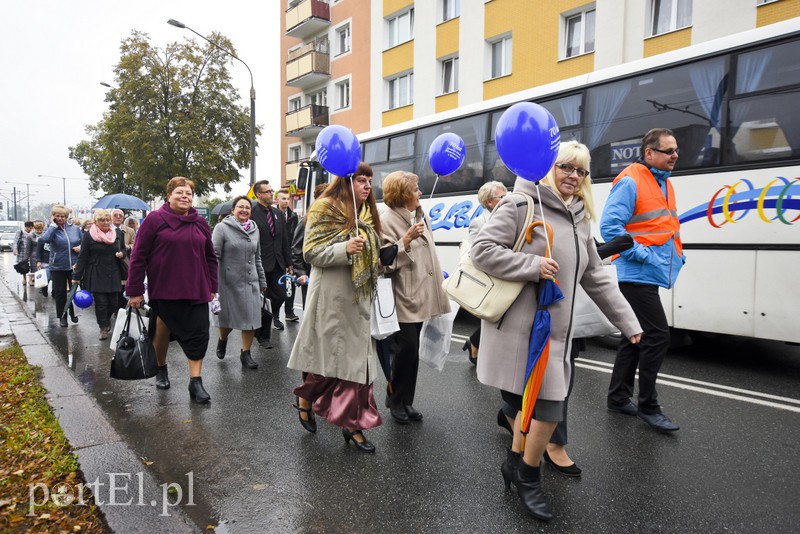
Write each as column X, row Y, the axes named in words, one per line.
column 642, row 204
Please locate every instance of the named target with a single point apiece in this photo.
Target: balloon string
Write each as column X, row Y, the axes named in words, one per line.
column 434, row 184
column 541, row 209
column 353, row 190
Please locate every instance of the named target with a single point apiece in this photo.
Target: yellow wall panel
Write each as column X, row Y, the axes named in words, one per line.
column 447, row 38
column 445, row 102
column 534, row 28
column 777, row 11
column 667, row 42
column 396, row 116
column 390, row 6
column 398, row 59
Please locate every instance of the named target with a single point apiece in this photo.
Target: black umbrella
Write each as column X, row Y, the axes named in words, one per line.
column 223, row 208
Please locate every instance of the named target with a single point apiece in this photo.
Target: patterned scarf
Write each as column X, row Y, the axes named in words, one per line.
column 326, row 224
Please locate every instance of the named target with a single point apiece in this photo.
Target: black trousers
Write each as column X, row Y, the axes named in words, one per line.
column 405, row 363
column 276, row 294
column 105, row 304
column 647, row 355
column 289, row 308
column 62, row 282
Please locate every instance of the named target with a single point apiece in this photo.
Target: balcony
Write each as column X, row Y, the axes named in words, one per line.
column 308, row 66
column 291, row 168
column 307, row 121
column 307, row 18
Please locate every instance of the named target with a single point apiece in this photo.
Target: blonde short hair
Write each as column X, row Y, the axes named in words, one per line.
column 577, row 153
column 59, row 209
column 101, row 214
column 398, row 188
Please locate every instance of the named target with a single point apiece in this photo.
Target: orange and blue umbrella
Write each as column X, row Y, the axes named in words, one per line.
column 539, row 348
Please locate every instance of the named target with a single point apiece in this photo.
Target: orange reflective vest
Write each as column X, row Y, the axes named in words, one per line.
column 655, row 218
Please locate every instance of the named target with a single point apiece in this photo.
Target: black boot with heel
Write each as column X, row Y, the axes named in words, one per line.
column 247, row 360
column 197, row 392
column 529, row 489
column 222, row 344
column 162, row 377
column 509, row 468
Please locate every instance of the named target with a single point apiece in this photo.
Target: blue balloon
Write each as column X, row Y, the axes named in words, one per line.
column 82, row 299
column 528, row 139
column 446, row 153
column 338, row 150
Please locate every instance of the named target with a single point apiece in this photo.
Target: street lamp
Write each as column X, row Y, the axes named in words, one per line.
column 63, row 179
column 27, row 196
column 181, row 25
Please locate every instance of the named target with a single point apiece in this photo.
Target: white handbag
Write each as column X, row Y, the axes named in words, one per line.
column 383, row 320
column 40, row 279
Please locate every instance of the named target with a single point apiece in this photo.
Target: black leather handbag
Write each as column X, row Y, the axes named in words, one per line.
column 135, row 357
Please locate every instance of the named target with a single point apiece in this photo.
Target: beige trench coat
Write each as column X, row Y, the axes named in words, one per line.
column 504, row 346
column 416, row 275
column 334, row 338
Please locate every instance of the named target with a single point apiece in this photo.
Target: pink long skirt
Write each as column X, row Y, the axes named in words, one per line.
column 341, row 402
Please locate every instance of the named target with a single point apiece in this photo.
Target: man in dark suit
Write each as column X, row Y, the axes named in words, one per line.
column 291, row 226
column 275, row 253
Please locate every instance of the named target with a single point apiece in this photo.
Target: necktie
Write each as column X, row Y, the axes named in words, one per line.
column 270, row 222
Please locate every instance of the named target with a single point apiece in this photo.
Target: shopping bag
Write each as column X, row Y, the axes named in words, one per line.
column 434, row 338
column 40, row 279
column 383, row 320
column 134, row 356
column 133, row 328
column 588, row 320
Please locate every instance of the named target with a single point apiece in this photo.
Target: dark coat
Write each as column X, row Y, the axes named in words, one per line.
column 299, row 264
column 275, row 250
column 98, row 267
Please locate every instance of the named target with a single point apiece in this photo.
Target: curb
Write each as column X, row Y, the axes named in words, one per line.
column 102, row 454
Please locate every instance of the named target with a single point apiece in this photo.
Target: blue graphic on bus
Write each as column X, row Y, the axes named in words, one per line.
column 458, row 216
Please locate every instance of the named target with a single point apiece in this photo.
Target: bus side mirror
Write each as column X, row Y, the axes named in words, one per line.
column 302, row 178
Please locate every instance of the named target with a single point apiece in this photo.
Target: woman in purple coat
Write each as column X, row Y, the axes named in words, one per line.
column 174, row 249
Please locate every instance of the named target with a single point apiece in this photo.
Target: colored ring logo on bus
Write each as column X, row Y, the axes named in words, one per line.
column 752, row 198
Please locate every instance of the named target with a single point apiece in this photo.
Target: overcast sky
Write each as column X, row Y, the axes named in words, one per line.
column 55, row 53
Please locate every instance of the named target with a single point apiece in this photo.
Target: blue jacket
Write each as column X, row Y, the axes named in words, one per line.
column 657, row 264
column 61, row 241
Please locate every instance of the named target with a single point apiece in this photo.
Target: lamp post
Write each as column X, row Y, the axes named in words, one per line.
column 181, row 25
column 27, row 196
column 63, row 180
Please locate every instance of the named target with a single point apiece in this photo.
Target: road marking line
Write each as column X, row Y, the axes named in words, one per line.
column 751, row 400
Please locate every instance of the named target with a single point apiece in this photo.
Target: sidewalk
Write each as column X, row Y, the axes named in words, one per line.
column 131, row 499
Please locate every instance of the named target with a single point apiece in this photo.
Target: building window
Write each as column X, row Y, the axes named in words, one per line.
column 295, row 104
column 320, row 98
column 401, row 28
column 294, row 153
column 579, row 33
column 501, row 58
column 401, row 91
column 310, row 148
column 450, row 9
column 669, row 15
column 343, row 40
column 343, row 94
column 449, row 75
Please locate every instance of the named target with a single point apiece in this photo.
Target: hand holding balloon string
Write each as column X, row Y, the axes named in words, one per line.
column 355, row 245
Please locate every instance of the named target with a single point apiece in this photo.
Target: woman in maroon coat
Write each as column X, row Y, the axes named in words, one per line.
column 174, row 249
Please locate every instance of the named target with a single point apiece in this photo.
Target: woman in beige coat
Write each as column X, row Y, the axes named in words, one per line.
column 417, row 281
column 504, row 345
column 333, row 348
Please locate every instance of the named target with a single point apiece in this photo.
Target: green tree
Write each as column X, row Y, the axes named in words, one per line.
column 173, row 113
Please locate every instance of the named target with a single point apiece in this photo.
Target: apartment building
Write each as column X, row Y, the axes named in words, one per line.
column 369, row 64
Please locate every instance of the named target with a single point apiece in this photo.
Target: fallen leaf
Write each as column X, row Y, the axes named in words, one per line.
column 211, row 527
column 148, row 462
column 19, row 473
column 260, row 487
column 187, row 420
column 44, row 516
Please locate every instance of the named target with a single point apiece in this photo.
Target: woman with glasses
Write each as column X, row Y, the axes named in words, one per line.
column 489, row 195
column 334, row 349
column 565, row 198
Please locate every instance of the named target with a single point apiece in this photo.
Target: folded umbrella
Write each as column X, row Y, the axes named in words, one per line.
column 70, row 297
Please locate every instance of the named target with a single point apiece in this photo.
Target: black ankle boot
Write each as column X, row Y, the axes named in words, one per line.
column 162, row 377
column 247, row 360
column 509, row 468
column 197, row 392
column 72, row 315
column 222, row 344
column 529, row 488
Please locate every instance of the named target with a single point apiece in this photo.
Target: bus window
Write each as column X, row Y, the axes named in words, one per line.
column 566, row 111
column 686, row 99
column 375, row 151
column 382, row 170
column 469, row 176
column 766, row 125
column 401, row 146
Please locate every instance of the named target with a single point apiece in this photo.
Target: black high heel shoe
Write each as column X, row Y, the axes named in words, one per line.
column 468, row 347
column 363, row 446
column 311, row 423
column 566, row 470
column 72, row 315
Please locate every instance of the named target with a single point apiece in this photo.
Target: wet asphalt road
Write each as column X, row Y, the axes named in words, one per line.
column 733, row 466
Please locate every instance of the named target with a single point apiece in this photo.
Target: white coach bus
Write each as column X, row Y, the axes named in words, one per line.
column 734, row 106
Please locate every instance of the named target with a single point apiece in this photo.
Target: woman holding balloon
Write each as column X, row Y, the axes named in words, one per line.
column 527, row 141
column 334, row 349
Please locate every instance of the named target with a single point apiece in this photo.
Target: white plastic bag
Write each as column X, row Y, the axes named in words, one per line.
column 133, row 330
column 588, row 320
column 40, row 279
column 383, row 320
column 434, row 338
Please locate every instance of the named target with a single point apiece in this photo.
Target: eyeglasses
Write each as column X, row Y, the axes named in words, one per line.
column 499, row 197
column 569, row 169
column 267, row 192
column 668, row 152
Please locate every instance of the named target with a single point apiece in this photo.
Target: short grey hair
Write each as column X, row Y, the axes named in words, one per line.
column 486, row 192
